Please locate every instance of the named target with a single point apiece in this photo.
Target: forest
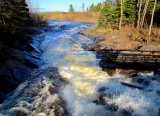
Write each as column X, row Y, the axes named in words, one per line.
column 14, row 17
column 139, row 14
column 134, row 13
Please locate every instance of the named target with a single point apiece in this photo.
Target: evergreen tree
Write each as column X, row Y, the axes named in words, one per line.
column 71, row 9
column 116, row 16
column 97, row 7
column 105, row 17
column 87, row 9
column 14, row 16
column 157, row 15
column 91, row 8
column 111, row 14
column 83, row 7
column 149, row 11
column 130, row 12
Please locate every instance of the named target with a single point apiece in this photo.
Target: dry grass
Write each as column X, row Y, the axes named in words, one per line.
column 74, row 16
column 128, row 38
column 141, row 35
column 133, row 33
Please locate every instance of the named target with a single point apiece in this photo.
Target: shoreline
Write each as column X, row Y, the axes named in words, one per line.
column 91, row 17
column 118, row 40
column 19, row 61
column 114, row 47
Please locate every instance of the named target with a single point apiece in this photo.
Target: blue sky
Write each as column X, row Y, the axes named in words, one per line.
column 63, row 5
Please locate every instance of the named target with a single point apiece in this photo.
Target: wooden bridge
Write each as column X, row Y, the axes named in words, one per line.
column 138, row 57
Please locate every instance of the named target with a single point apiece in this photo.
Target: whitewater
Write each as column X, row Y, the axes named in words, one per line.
column 71, row 83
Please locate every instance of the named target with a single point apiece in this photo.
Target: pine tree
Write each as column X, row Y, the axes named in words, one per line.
column 83, row 7
column 130, row 12
column 105, row 17
column 14, row 15
column 116, row 16
column 91, row 8
column 71, row 9
column 87, row 9
column 97, row 7
column 111, row 15
column 156, row 15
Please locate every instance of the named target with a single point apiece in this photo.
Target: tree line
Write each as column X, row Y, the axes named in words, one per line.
column 14, row 16
column 134, row 13
column 92, row 8
column 95, row 8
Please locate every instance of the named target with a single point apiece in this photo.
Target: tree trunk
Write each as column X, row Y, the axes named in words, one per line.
column 158, row 34
column 139, row 13
column 121, row 15
column 144, row 13
column 152, row 17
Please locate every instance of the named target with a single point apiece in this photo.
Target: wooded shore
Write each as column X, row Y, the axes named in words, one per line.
column 118, row 48
column 18, row 56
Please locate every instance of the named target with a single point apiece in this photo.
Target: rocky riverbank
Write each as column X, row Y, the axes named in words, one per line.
column 119, row 40
column 17, row 60
column 118, row 51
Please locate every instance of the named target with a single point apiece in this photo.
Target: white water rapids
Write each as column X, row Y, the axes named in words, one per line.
column 79, row 87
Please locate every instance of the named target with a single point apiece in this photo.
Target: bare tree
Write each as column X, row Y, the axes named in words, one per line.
column 120, row 22
column 152, row 17
column 144, row 13
column 139, row 14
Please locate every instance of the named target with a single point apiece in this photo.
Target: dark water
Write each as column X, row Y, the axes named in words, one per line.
column 71, row 82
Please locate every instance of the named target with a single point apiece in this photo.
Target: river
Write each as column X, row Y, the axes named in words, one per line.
column 71, row 82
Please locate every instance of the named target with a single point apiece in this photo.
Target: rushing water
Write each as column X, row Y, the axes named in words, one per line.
column 72, row 83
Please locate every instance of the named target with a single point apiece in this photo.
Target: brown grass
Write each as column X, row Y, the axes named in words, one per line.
column 74, row 16
column 141, row 35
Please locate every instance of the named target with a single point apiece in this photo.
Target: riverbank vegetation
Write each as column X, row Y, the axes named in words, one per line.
column 138, row 19
column 15, row 44
column 142, row 17
column 73, row 16
column 15, row 18
column 86, row 14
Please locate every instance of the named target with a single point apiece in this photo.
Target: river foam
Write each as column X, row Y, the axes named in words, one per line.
column 80, row 87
